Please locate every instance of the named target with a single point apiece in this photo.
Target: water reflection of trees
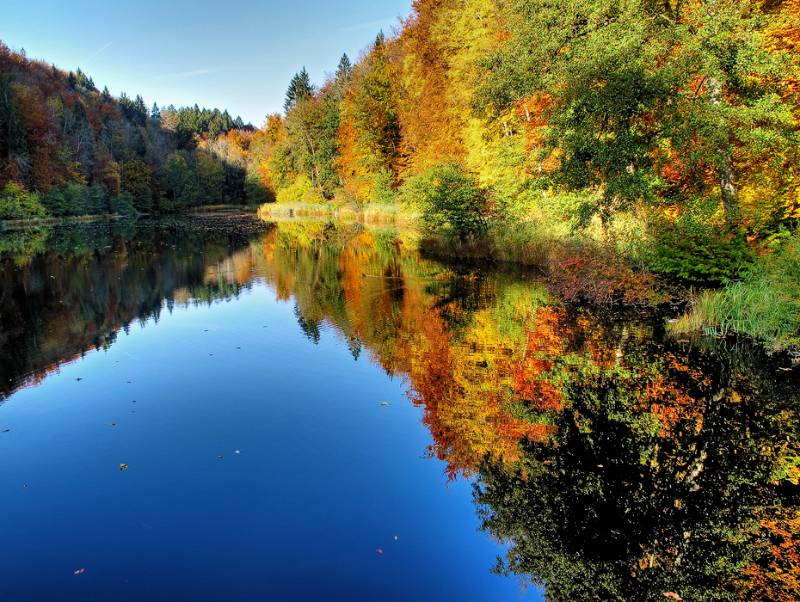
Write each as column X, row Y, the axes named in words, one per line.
column 672, row 472
column 615, row 463
column 67, row 290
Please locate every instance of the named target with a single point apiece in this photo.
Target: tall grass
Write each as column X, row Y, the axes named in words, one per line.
column 377, row 214
column 765, row 305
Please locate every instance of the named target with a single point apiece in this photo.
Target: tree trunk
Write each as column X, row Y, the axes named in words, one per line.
column 730, row 203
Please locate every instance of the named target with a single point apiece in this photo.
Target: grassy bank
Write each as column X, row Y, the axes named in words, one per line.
column 764, row 305
column 378, row 214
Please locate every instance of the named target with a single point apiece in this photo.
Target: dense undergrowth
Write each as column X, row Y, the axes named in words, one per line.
column 765, row 304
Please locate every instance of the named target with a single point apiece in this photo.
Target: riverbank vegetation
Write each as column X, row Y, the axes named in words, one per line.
column 764, row 303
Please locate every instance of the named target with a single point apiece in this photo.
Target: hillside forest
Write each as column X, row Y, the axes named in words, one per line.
column 67, row 148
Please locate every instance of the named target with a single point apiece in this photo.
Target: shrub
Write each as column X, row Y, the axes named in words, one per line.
column 383, row 191
column 765, row 305
column 451, row 203
column 18, row 203
column 122, row 204
column 300, row 191
column 76, row 199
column 699, row 253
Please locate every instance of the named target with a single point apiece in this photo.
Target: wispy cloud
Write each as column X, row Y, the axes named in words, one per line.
column 211, row 70
column 189, row 74
column 367, row 25
column 100, row 50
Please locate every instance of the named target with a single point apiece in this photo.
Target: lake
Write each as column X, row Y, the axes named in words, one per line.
column 217, row 408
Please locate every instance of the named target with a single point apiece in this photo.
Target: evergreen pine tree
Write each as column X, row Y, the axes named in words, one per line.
column 299, row 88
column 345, row 69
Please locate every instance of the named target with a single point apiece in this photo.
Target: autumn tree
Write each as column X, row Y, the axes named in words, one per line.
column 628, row 80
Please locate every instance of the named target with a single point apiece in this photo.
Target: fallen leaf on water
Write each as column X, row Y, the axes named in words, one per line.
column 80, row 571
column 123, row 467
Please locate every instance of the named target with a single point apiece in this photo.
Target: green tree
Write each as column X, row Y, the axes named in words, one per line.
column 18, row 203
column 299, row 88
column 137, row 182
column 180, row 176
column 345, row 68
column 452, row 203
column 630, row 79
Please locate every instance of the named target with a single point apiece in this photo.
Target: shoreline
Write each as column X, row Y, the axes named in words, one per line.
column 587, row 270
column 578, row 269
column 27, row 224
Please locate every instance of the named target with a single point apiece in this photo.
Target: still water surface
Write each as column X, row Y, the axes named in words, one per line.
column 218, row 409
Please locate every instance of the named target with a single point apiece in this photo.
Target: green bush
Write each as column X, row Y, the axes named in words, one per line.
column 18, row 203
column 450, row 201
column 122, row 204
column 698, row 253
column 765, row 305
column 76, row 199
column 300, row 191
column 383, row 191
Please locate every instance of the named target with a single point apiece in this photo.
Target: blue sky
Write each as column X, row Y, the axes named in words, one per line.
column 236, row 54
